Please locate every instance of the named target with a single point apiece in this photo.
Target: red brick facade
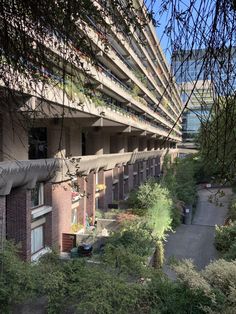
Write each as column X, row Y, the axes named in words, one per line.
column 18, row 220
column 2, row 218
column 119, row 182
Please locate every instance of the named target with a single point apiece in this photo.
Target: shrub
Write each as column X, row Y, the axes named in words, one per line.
column 231, row 253
column 221, row 275
column 127, row 251
column 159, row 255
column 154, row 203
column 16, row 280
column 225, row 237
column 232, row 209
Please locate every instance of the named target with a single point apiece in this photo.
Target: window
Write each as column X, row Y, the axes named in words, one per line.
column 74, row 216
column 37, row 239
column 37, row 195
column 37, row 143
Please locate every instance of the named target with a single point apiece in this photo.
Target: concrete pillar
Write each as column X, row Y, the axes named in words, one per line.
column 2, row 220
column 58, row 145
column 145, row 170
column 131, row 177
column 121, row 182
column 75, row 141
column 14, row 138
column 133, row 144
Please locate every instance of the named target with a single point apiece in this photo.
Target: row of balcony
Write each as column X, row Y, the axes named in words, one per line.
column 153, row 65
column 122, row 39
column 134, row 75
column 26, row 173
column 150, row 31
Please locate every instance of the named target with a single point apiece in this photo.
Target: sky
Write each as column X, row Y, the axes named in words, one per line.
column 204, row 6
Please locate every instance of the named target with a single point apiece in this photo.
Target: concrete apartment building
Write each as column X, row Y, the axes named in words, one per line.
column 202, row 75
column 77, row 151
column 196, row 90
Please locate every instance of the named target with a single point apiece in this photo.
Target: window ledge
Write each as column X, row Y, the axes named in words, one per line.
column 40, row 211
column 35, row 257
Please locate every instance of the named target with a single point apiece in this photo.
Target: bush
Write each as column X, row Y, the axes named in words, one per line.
column 159, row 255
column 225, row 237
column 16, row 279
column 154, row 203
column 232, row 209
column 127, row 251
column 221, row 275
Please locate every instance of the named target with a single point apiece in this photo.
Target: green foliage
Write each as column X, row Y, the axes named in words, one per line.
column 217, row 141
column 127, row 251
column 165, row 296
column 221, row 275
column 180, row 179
column 225, row 237
column 16, row 283
column 80, row 287
column 153, row 202
column 186, row 183
column 159, row 255
column 232, row 209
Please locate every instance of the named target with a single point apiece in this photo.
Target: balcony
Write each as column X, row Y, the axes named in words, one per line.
column 28, row 172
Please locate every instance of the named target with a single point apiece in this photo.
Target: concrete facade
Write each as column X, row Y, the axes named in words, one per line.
column 80, row 153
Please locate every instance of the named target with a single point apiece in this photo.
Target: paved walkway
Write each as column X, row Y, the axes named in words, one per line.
column 196, row 241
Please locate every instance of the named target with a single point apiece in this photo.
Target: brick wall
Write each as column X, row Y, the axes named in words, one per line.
column 61, row 215
column 121, row 182
column 18, row 220
column 91, row 195
column 108, row 175
column 2, row 219
column 82, row 203
column 131, row 177
column 50, row 226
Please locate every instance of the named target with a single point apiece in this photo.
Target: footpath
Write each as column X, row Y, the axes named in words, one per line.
column 196, row 241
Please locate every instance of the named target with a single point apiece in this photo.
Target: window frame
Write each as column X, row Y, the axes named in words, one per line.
column 40, row 196
column 43, row 239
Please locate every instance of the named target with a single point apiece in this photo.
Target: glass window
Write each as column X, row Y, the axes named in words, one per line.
column 74, row 216
column 37, row 239
column 37, row 195
column 37, row 143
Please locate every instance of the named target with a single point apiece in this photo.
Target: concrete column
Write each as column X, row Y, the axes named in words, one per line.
column 145, row 170
column 14, row 138
column 133, row 144
column 75, row 142
column 121, row 182
column 2, row 220
column 131, row 177
column 57, row 141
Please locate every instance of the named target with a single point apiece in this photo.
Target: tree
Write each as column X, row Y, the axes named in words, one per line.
column 217, row 140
